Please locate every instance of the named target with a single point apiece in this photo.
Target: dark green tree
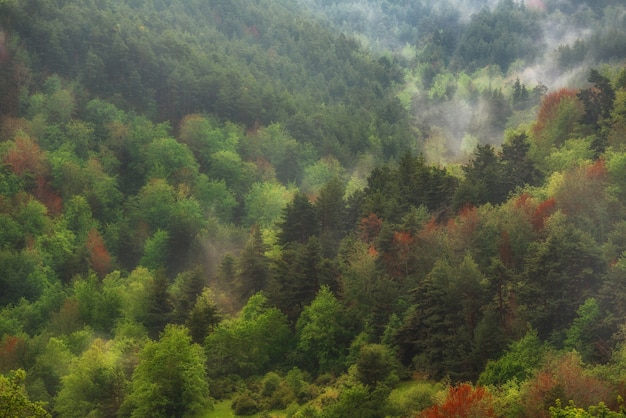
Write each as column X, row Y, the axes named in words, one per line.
column 300, row 221
column 298, row 275
column 203, row 317
column 439, row 329
column 599, row 101
column 560, row 274
column 185, row 291
column 253, row 271
column 483, row 181
column 520, row 95
column 375, row 365
column 518, row 169
column 330, row 208
column 159, row 312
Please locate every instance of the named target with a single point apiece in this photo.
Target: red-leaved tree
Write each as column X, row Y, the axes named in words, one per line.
column 550, row 108
column 543, row 211
column 99, row 256
column 463, row 401
column 12, row 353
column 25, row 156
column 399, row 258
column 370, row 227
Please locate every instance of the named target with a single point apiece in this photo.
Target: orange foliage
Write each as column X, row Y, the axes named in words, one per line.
column 525, row 202
column 254, row 31
column 597, row 170
column 463, row 401
column 12, row 352
column 265, row 169
column 468, row 217
column 462, row 228
column 25, row 156
column 68, row 319
column 505, row 249
column 10, row 125
column 564, row 378
column 99, row 256
column 431, row 225
column 397, row 260
column 51, row 199
column 541, row 392
column 550, row 108
column 543, row 211
column 370, row 227
column 402, row 238
column 429, row 235
column 584, row 389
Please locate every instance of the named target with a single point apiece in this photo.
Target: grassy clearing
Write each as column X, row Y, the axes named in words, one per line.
column 221, row 410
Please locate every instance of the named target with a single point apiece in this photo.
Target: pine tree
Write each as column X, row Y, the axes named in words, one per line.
column 300, row 222
column 253, row 266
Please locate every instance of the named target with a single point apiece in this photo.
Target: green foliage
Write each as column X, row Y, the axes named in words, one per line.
column 483, row 181
column 155, row 250
column 588, row 332
column 253, row 272
column 438, row 331
column 99, row 304
column 517, row 364
column 96, row 384
column 571, row 411
column 358, row 400
column 170, row 160
column 299, row 221
column 265, row 203
column 321, row 334
column 298, row 275
column 170, row 378
column 244, row 404
column 320, row 173
column 408, row 398
column 375, row 365
column 557, row 282
column 203, row 317
column 228, row 166
column 250, row 344
column 217, row 197
column 20, row 278
column 53, row 360
column 498, row 37
column 14, row 401
column 151, row 136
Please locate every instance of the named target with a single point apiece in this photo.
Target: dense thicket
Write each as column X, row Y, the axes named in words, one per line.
column 223, row 203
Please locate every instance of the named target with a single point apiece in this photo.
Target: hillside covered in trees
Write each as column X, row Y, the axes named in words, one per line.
column 312, row 208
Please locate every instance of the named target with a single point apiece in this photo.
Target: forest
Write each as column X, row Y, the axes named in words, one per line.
column 312, row 208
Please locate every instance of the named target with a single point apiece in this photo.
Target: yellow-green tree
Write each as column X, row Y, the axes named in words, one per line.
column 14, row 400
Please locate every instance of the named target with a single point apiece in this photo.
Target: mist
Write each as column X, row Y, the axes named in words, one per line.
column 451, row 123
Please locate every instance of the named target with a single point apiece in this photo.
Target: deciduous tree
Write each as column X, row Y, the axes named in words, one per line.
column 170, row 379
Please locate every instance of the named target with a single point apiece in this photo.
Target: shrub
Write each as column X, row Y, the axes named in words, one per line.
column 244, row 404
